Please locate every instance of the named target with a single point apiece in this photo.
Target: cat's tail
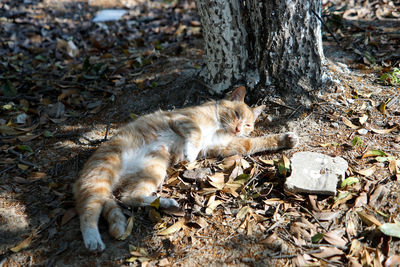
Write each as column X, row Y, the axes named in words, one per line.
column 93, row 195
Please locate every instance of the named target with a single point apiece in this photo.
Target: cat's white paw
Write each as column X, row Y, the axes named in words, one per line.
column 291, row 140
column 167, row 203
column 190, row 152
column 92, row 239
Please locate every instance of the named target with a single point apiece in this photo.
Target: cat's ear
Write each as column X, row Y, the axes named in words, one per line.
column 238, row 94
column 257, row 111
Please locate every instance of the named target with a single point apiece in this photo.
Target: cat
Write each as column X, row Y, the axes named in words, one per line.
column 136, row 159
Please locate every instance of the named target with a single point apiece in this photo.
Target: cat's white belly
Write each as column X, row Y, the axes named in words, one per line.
column 134, row 160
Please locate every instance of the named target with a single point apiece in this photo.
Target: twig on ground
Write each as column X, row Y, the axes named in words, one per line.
column 107, row 129
column 64, row 135
column 326, row 245
column 294, row 111
column 312, row 215
column 21, row 160
column 292, row 255
column 5, row 170
column 282, row 105
column 20, row 96
column 94, row 142
column 328, row 261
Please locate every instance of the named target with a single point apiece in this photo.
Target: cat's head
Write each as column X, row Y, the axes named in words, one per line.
column 236, row 117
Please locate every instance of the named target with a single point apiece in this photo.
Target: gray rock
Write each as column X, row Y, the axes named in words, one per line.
column 55, row 110
column 196, row 174
column 315, row 173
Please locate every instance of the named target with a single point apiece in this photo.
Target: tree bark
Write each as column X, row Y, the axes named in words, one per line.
column 261, row 43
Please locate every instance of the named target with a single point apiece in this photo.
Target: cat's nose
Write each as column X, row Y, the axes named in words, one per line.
column 237, row 130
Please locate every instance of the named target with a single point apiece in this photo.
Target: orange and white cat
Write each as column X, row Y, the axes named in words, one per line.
column 136, row 159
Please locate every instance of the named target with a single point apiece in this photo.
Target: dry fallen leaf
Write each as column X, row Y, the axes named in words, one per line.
column 199, row 221
column 173, row 228
column 154, row 215
column 361, row 200
column 369, row 219
column 326, row 215
column 342, row 197
column 217, row 180
column 267, row 162
column 192, row 165
column 335, row 238
column 242, row 212
column 355, row 248
column 301, row 261
column 366, row 259
column 353, row 262
column 137, row 251
column 23, row 166
column 383, row 131
column 37, row 175
column 284, row 165
column 245, row 164
column 348, row 123
column 128, row 230
column 155, row 203
column 393, row 261
column 377, row 196
column 328, row 252
column 163, row 262
column 373, row 153
column 394, row 166
column 139, row 254
column 378, row 258
column 367, row 172
column 23, row 244
column 229, row 162
column 68, row 215
column 212, row 204
column 351, row 226
column 274, row 242
column 390, row 229
column 7, row 130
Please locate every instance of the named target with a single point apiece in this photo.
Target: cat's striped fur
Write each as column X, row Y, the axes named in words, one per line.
column 136, row 159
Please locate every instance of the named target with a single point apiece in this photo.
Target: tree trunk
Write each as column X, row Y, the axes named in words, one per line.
column 261, row 43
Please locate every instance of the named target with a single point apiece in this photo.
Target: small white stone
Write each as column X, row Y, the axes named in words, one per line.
column 109, row 15
column 335, row 125
column 21, row 118
column 315, row 173
column 362, row 131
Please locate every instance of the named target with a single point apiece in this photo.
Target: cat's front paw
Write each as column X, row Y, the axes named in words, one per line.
column 167, row 203
column 290, row 140
column 190, row 152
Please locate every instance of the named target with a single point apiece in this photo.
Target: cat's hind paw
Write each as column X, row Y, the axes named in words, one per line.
column 92, row 239
column 290, row 139
column 117, row 229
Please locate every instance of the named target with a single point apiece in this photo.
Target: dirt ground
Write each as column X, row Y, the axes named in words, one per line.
column 67, row 84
